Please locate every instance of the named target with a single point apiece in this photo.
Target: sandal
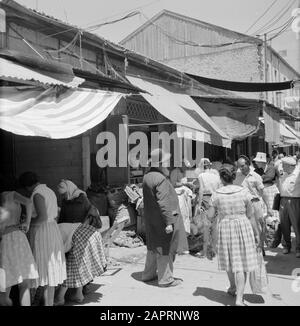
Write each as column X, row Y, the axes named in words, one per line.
column 76, row 300
column 59, row 303
column 231, row 292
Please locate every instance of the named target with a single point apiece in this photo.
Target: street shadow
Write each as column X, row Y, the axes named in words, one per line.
column 138, row 277
column 224, row 298
column 254, row 298
column 281, row 264
column 215, row 296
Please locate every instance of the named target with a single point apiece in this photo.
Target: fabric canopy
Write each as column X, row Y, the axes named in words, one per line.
column 54, row 113
column 289, row 134
column 181, row 109
column 243, row 87
column 286, row 136
column 238, row 122
column 14, row 71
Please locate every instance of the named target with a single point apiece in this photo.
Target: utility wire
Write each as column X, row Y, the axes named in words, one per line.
column 288, row 22
column 192, row 43
column 261, row 16
column 124, row 12
column 282, row 30
column 271, row 22
column 95, row 27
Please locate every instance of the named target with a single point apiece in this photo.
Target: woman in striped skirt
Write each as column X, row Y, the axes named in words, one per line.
column 236, row 248
column 86, row 259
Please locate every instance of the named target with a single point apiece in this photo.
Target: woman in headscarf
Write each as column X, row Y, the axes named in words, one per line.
column 86, row 259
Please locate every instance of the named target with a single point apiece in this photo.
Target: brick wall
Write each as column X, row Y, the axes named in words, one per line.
column 235, row 65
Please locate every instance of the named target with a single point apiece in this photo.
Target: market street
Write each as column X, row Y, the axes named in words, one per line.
column 203, row 284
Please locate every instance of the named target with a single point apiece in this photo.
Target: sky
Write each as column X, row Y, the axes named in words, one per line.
column 237, row 15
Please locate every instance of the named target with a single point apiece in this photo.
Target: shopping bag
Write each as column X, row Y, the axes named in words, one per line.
column 276, row 202
column 259, row 278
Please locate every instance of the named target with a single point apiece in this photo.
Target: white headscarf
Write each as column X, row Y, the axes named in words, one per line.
column 69, row 188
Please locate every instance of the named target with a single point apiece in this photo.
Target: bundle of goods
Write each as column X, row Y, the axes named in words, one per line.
column 135, row 195
column 271, row 229
column 128, row 239
column 119, row 208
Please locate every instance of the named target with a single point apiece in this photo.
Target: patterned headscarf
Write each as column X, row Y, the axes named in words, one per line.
column 69, row 188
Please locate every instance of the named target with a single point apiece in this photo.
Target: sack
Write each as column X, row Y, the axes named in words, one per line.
column 276, row 202
column 258, row 278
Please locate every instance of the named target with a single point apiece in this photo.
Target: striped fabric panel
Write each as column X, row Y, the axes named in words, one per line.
column 54, row 113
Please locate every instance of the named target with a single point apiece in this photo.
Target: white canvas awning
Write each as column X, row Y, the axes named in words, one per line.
column 192, row 121
column 57, row 114
column 288, row 135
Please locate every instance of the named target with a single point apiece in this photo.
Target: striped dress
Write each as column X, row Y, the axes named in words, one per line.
column 16, row 260
column 47, row 244
column 236, row 249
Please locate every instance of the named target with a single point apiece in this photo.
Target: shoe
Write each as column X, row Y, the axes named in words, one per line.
column 298, row 254
column 174, row 283
column 150, row 279
column 274, row 245
column 58, row 303
column 286, row 251
column 240, row 304
column 76, row 299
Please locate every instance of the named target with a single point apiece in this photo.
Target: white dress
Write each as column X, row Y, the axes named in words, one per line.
column 47, row 244
column 16, row 260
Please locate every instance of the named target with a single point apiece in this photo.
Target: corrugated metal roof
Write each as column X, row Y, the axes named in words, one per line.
column 14, row 71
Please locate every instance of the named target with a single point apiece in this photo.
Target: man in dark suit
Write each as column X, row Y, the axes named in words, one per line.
column 165, row 233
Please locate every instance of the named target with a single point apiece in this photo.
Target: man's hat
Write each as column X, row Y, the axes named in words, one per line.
column 261, row 157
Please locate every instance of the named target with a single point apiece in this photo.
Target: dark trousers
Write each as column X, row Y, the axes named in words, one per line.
column 290, row 216
column 159, row 266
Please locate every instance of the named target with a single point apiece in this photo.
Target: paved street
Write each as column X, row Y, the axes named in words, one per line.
column 203, row 284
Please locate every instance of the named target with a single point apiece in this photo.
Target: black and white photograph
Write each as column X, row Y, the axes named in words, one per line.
column 150, row 156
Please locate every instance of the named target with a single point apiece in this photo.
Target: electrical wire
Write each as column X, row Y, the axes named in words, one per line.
column 73, row 42
column 261, row 16
column 281, row 31
column 192, row 43
column 125, row 11
column 86, row 27
column 275, row 18
column 288, row 22
column 95, row 27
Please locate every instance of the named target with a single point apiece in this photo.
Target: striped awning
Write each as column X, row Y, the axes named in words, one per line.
column 55, row 113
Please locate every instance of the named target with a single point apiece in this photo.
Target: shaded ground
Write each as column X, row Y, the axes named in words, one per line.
column 203, row 283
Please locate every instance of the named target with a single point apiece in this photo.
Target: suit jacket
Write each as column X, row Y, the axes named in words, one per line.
column 270, row 174
column 161, row 208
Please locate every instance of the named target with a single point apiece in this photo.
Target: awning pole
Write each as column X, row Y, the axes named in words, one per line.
column 151, row 124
